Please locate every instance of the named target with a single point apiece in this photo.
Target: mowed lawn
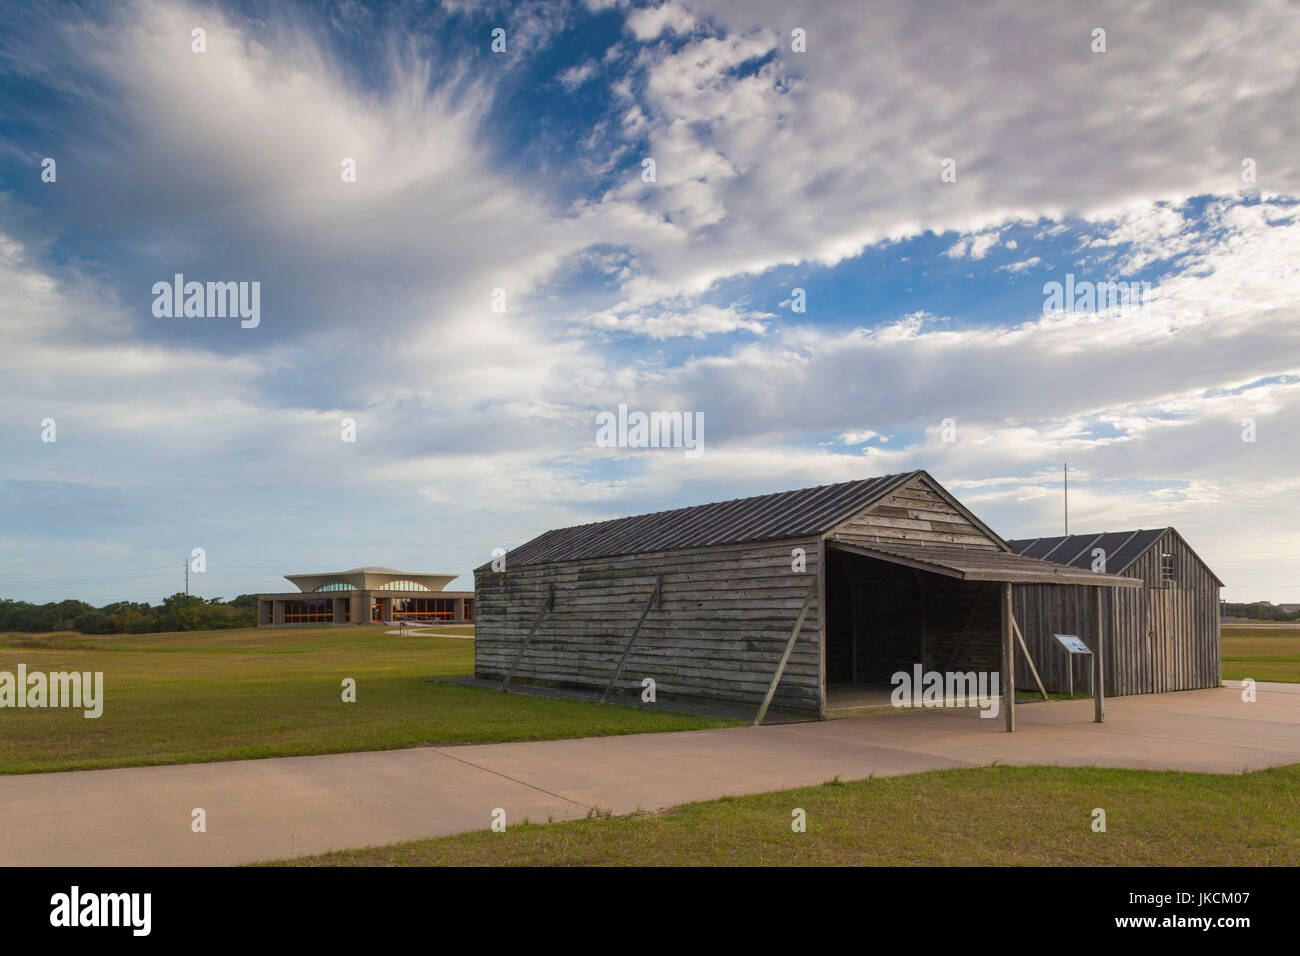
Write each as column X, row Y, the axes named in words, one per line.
column 269, row 692
column 989, row 816
column 1263, row 653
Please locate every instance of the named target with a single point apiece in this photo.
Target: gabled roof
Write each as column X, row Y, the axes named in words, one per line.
column 786, row 514
column 1122, row 548
column 928, row 481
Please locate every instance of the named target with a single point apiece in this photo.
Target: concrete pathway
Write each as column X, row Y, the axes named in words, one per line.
column 288, row 806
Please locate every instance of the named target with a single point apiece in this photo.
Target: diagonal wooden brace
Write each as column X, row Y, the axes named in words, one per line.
column 1028, row 660
column 546, row 606
column 654, row 598
column 785, row 658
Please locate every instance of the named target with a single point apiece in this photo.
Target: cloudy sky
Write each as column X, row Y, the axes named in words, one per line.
column 920, row 171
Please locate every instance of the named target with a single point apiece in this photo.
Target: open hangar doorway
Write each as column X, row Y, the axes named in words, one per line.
column 883, row 617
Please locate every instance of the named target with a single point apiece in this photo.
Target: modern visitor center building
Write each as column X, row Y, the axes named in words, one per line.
column 366, row 596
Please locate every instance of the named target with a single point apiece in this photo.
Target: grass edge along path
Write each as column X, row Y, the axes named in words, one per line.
column 981, row 816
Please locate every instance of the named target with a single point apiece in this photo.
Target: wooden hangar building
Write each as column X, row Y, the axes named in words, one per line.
column 1163, row 636
column 800, row 600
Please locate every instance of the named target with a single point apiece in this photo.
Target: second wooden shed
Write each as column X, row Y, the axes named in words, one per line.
column 1161, row 637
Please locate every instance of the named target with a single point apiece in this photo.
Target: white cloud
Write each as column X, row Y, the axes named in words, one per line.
column 974, row 247
column 695, row 322
column 862, row 437
column 576, row 76
column 648, row 23
column 1024, row 265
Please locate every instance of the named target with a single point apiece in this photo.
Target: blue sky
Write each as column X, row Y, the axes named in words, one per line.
column 775, row 170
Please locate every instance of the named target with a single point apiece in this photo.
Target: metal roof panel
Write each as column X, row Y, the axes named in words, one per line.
column 785, row 514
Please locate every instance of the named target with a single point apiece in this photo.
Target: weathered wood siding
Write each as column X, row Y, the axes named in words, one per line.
column 916, row 513
column 1157, row 638
column 723, row 620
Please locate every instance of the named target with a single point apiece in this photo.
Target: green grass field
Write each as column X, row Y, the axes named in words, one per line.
column 1264, row 653
column 260, row 692
column 994, row 816
column 197, row 696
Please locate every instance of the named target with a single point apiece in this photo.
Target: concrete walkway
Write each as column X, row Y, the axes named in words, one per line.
column 288, row 806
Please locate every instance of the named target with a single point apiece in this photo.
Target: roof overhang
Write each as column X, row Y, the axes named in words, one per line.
column 968, row 564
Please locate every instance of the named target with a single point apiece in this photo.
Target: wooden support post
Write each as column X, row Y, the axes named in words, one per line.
column 654, row 597
column 546, row 606
column 1098, row 670
column 785, row 658
column 1008, row 662
column 1029, row 660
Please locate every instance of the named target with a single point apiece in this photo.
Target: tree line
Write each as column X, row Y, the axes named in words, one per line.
column 180, row 612
column 1261, row 611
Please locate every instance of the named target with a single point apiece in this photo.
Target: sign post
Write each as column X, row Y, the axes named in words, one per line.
column 1073, row 645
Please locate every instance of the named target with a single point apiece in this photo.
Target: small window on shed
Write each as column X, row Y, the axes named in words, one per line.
column 1167, row 571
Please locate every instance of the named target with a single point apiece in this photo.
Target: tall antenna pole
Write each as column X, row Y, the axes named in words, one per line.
column 1065, row 473
column 187, row 577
